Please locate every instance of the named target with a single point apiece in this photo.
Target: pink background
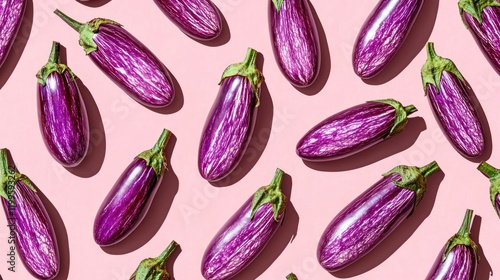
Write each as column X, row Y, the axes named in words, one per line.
column 190, row 210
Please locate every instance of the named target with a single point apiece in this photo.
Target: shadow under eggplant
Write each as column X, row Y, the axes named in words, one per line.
column 484, row 270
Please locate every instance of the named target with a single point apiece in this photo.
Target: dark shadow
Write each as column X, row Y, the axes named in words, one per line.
column 223, row 37
column 177, row 102
column 18, row 46
column 171, row 260
column 284, row 235
column 399, row 236
column 391, row 146
column 94, row 3
column 413, row 44
column 325, row 63
column 162, row 202
column 484, row 270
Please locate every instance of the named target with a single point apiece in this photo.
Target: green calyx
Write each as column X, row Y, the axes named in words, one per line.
column 434, row 66
column 291, row 276
column 475, row 7
column 53, row 65
column 270, row 194
column 494, row 175
column 86, row 30
column 402, row 114
column 154, row 268
column 9, row 176
column 278, row 4
column 155, row 157
column 247, row 69
column 462, row 237
column 414, row 178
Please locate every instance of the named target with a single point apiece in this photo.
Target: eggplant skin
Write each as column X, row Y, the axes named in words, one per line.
column 63, row 119
column 497, row 203
column 460, row 264
column 295, row 41
column 383, row 34
column 228, row 129
column 35, row 241
column 239, row 241
column 11, row 16
column 364, row 223
column 126, row 204
column 132, row 66
column 199, row 19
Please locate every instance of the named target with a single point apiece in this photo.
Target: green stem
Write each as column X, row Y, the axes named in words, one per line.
column 250, row 58
column 270, row 194
column 410, row 109
column 429, row 169
column 431, row 53
column 163, row 257
column 155, row 157
column 71, row 22
column 462, row 237
column 291, row 276
column 4, row 172
column 55, row 53
column 275, row 184
column 488, row 170
column 162, row 141
column 464, row 230
column 278, row 4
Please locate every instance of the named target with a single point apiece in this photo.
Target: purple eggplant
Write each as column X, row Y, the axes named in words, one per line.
column 458, row 259
column 372, row 216
column 130, row 198
column 246, row 233
column 382, row 35
column 31, row 230
column 11, row 16
column 125, row 60
column 199, row 19
column 353, row 130
column 450, row 98
column 62, row 115
column 295, row 40
column 494, row 175
column 482, row 18
column 154, row 268
column 231, row 120
column 291, row 276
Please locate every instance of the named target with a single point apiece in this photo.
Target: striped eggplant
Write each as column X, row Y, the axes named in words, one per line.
column 295, row 41
column 382, row 35
column 125, row 60
column 199, row 19
column 291, row 276
column 11, row 16
column 62, row 115
column 450, row 98
column 482, row 18
column 31, row 232
column 353, row 130
column 154, row 268
column 130, row 198
column 494, row 175
column 458, row 259
column 231, row 120
column 372, row 216
column 246, row 233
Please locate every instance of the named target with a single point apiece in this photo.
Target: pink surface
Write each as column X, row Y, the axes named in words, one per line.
column 190, row 210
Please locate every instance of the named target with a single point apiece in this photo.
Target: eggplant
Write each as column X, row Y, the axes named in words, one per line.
column 291, row 276
column 382, row 35
column 372, row 216
column 458, row 259
column 295, row 41
column 154, row 268
column 125, row 60
column 246, row 233
column 231, row 120
column 199, row 19
column 129, row 200
column 31, row 230
column 62, row 115
column 450, row 98
column 482, row 18
column 11, row 16
column 353, row 130
column 494, row 175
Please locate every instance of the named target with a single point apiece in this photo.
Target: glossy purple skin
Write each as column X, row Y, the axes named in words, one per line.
column 457, row 115
column 11, row 16
column 295, row 41
column 132, row 66
column 239, row 241
column 63, row 119
column 364, row 223
column 199, row 19
column 347, row 132
column 35, row 239
column 460, row 264
column 383, row 34
column 486, row 34
column 228, row 128
column 126, row 204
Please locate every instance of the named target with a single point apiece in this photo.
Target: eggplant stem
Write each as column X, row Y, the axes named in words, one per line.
column 4, row 167
column 275, row 184
column 55, row 53
column 291, row 276
column 155, row 157
column 464, row 230
column 163, row 257
column 410, row 109
column 488, row 170
column 162, row 141
column 250, row 58
column 429, row 169
column 71, row 22
column 431, row 53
